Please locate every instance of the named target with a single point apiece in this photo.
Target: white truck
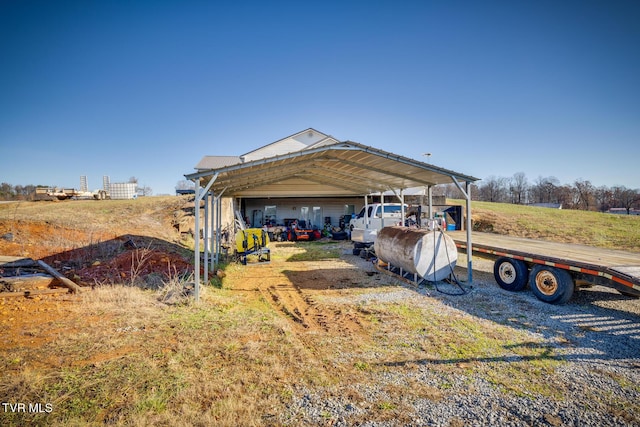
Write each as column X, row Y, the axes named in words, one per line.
column 372, row 218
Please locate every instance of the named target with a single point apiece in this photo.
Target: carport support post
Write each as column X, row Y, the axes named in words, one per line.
column 217, row 227
column 216, row 232
column 207, row 227
column 196, row 243
column 381, row 209
column 402, row 212
column 216, row 243
column 466, row 191
column 199, row 193
column 366, row 211
column 467, row 187
column 430, row 200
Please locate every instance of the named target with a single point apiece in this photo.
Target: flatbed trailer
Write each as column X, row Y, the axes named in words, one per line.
column 553, row 270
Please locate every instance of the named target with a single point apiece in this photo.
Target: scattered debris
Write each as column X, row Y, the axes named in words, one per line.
column 21, row 276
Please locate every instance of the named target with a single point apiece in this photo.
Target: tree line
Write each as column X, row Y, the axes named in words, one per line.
column 17, row 192
column 581, row 195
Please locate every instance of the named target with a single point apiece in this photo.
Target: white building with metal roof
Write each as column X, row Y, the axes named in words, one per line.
column 312, row 168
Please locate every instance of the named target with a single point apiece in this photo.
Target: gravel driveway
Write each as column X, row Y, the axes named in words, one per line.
column 596, row 338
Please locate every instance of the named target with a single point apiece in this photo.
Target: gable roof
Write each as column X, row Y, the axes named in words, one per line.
column 328, row 169
column 296, row 142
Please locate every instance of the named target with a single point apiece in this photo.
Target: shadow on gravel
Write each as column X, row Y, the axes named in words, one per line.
column 598, row 324
column 545, row 352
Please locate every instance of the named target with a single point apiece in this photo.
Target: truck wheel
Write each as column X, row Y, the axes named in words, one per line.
column 551, row 284
column 340, row 235
column 511, row 274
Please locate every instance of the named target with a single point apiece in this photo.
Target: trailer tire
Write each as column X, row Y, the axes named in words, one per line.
column 511, row 274
column 550, row 284
column 340, row 235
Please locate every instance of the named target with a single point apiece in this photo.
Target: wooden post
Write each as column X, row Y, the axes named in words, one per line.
column 68, row 283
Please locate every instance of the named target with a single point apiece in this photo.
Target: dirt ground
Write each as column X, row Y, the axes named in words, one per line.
column 143, row 251
column 297, row 291
column 136, row 255
column 316, row 336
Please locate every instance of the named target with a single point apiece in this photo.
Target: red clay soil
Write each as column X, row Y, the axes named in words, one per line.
column 135, row 264
column 86, row 257
column 92, row 258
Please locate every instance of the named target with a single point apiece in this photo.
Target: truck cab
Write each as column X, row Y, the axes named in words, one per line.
column 364, row 227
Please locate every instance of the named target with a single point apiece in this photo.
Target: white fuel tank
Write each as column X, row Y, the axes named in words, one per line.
column 430, row 254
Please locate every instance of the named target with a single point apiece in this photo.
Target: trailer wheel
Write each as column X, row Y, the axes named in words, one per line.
column 551, row 284
column 511, row 274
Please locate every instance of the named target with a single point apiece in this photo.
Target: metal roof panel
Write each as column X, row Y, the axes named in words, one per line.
column 338, row 169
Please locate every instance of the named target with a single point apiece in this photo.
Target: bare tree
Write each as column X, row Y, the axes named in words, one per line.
column 585, row 194
column 625, row 197
column 545, row 190
column 604, row 198
column 518, row 187
column 493, row 189
column 563, row 195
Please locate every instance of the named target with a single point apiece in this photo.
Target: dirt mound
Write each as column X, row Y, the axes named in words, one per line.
column 130, row 242
column 151, row 266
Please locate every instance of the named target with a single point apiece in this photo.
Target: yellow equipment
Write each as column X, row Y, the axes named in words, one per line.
column 252, row 241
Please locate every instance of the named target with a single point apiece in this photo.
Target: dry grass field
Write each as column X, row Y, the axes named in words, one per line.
column 316, row 336
column 559, row 225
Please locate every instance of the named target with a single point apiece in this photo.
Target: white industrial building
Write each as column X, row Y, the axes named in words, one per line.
column 123, row 190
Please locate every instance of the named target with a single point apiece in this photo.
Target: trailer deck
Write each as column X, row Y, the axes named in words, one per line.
column 620, row 267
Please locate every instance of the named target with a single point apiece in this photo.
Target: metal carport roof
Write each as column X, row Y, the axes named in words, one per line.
column 340, row 169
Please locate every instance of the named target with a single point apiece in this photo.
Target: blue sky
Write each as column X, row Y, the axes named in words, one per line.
column 146, row 88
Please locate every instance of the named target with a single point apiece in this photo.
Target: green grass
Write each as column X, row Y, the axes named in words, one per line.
column 315, row 251
column 505, row 357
